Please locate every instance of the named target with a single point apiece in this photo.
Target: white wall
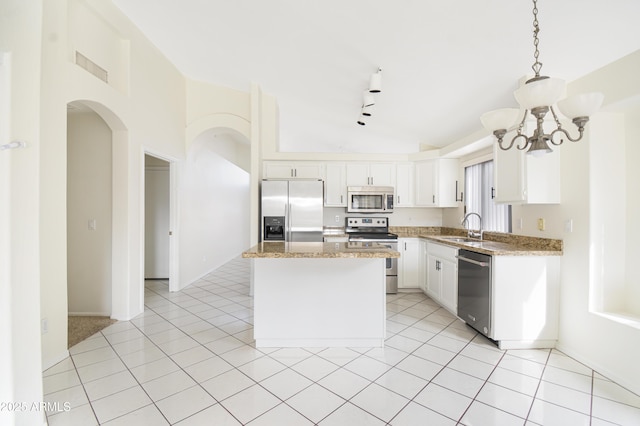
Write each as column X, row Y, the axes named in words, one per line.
column 633, row 210
column 146, row 113
column 20, row 351
column 214, row 206
column 88, row 199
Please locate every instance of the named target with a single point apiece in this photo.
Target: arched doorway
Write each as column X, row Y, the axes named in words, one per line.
column 215, row 205
column 89, row 212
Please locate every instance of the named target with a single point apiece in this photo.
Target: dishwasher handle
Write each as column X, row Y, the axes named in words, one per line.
column 475, row 262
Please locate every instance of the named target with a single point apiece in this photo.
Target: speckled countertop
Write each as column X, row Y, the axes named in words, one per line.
column 349, row 250
column 493, row 243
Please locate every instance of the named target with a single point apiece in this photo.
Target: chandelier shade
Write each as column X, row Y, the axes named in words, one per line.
column 582, row 105
column 539, row 93
column 498, row 119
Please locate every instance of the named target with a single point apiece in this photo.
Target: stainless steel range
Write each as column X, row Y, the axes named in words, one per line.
column 375, row 229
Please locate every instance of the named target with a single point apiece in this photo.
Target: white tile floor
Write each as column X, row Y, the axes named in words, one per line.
column 190, row 360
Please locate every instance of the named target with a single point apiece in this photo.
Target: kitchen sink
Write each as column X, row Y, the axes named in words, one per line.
column 460, row 240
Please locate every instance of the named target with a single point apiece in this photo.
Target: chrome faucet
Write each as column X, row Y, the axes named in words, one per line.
column 471, row 233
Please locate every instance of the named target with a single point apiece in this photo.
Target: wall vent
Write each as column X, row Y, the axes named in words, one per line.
column 95, row 69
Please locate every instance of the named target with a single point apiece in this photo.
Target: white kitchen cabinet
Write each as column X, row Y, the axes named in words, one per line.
column 292, row 170
column 525, row 299
column 405, row 188
column 335, row 185
column 436, row 183
column 520, row 178
column 409, row 263
column 442, row 275
column 378, row 174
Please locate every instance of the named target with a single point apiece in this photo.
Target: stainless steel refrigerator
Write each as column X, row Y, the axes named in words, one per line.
column 292, row 210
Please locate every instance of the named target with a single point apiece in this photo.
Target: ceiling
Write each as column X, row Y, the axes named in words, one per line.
column 444, row 63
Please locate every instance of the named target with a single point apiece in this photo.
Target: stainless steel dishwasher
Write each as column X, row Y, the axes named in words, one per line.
column 474, row 290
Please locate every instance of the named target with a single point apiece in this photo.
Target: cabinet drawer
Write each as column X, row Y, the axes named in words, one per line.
column 443, row 251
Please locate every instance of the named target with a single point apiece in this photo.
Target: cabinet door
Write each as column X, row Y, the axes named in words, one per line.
column 358, row 174
column 289, row 170
column 446, row 176
column 335, row 185
column 409, row 264
column 278, row 170
column 382, row 174
column 404, row 185
column 425, row 194
column 433, row 277
column 508, row 174
column 449, row 285
column 422, row 273
column 308, row 171
column 525, row 179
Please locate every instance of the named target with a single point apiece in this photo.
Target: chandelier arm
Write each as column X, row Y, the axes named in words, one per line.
column 567, row 135
column 524, row 145
column 500, row 141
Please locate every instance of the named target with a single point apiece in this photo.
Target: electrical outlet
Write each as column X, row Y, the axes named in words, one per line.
column 540, row 224
column 337, row 219
column 44, row 325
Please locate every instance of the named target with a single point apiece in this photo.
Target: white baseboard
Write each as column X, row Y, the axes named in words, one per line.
column 90, row 314
column 601, row 369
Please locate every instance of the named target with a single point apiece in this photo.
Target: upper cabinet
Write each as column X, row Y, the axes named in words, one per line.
column 378, row 174
column 335, row 185
column 292, row 170
column 436, row 183
column 525, row 179
column 405, row 188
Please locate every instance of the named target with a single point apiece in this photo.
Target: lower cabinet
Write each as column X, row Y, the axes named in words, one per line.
column 409, row 263
column 442, row 275
column 525, row 301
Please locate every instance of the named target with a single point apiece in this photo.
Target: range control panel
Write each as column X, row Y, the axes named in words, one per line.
column 367, row 222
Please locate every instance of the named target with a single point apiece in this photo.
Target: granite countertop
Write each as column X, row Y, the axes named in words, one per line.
column 493, row 248
column 493, row 243
column 348, row 250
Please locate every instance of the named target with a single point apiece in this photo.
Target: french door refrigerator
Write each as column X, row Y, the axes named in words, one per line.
column 292, row 210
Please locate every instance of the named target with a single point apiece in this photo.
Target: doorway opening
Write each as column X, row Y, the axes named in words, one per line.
column 89, row 222
column 157, row 223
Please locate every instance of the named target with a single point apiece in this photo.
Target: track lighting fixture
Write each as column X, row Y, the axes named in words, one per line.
column 368, row 100
column 375, row 83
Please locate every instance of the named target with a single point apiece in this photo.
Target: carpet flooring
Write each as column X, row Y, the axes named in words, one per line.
column 81, row 327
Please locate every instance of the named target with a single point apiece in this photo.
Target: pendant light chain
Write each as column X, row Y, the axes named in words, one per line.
column 537, row 65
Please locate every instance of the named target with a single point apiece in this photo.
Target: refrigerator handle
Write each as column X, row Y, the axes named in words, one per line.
column 288, row 224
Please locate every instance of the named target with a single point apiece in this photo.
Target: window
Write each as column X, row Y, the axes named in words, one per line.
column 479, row 199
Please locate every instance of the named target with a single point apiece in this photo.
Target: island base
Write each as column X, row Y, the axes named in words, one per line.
column 319, row 302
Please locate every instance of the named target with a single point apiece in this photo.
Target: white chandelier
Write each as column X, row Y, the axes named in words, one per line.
column 537, row 96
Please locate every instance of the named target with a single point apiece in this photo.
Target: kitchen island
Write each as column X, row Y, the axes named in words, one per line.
column 319, row 294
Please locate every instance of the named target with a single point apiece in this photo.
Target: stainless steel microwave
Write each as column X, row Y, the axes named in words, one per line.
column 370, row 199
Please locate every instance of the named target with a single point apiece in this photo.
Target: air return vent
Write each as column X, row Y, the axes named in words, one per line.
column 92, row 67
